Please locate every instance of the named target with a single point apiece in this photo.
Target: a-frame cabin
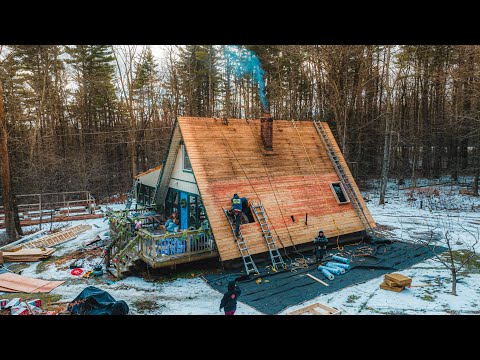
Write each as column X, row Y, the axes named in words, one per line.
column 294, row 168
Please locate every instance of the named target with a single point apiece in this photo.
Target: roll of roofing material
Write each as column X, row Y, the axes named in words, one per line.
column 327, row 274
column 333, row 270
column 338, row 265
column 341, row 259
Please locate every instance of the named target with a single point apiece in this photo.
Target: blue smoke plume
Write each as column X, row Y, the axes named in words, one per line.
column 241, row 62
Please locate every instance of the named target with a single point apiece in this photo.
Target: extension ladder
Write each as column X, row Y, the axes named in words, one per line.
column 250, row 266
column 277, row 261
column 343, row 177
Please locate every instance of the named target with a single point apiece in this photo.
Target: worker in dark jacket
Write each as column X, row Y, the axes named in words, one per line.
column 237, row 204
column 320, row 243
column 229, row 300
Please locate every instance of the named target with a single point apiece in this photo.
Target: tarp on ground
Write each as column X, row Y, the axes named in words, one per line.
column 94, row 301
column 287, row 288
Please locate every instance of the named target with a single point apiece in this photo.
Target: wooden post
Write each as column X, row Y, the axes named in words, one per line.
column 40, row 209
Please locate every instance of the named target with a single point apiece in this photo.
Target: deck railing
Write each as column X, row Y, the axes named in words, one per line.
column 154, row 248
column 174, row 245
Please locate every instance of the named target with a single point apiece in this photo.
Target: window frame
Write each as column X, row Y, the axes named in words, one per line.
column 184, row 157
column 335, row 193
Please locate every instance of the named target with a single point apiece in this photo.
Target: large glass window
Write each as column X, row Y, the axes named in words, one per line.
column 187, row 166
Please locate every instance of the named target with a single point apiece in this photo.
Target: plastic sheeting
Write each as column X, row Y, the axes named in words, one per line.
column 94, row 301
column 287, row 288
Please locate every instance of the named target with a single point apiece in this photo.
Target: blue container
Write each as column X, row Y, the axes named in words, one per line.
column 338, row 265
column 336, row 271
column 327, row 274
column 341, row 259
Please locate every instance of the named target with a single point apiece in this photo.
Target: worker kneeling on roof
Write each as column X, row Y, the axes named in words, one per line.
column 320, row 243
column 237, row 205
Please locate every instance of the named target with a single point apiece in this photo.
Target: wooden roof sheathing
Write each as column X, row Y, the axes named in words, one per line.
column 228, row 159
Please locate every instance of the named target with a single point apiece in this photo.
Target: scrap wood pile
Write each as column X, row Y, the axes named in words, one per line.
column 57, row 238
column 395, row 282
column 10, row 282
column 27, row 255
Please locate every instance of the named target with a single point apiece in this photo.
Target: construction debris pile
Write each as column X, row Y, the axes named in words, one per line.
column 395, row 282
column 17, row 306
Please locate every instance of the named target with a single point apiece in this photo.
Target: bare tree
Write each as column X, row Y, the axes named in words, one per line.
column 443, row 233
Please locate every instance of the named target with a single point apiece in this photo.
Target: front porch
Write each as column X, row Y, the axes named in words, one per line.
column 158, row 248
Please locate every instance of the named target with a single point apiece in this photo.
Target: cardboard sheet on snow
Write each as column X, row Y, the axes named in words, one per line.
column 17, row 283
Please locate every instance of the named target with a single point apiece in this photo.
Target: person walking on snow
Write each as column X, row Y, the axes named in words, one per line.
column 229, row 300
column 237, row 203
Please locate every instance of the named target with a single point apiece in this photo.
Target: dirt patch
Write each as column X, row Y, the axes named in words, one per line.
column 143, row 306
column 64, row 261
column 381, row 227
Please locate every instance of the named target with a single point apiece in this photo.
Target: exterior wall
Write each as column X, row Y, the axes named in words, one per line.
column 150, row 179
column 182, row 179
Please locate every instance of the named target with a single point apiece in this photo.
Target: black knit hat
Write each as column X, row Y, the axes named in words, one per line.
column 231, row 285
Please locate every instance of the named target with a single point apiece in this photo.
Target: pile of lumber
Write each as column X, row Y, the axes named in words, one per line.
column 56, row 238
column 395, row 282
column 17, row 283
column 27, row 255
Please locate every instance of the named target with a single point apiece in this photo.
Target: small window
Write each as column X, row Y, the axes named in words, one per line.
column 187, row 166
column 339, row 193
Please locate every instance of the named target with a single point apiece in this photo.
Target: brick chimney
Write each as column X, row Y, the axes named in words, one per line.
column 266, row 130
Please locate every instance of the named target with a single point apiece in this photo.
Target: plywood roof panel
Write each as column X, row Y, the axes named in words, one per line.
column 293, row 179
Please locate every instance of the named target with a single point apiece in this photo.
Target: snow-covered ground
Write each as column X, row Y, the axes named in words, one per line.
column 402, row 219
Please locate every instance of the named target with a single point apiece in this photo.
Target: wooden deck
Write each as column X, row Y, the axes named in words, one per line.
column 292, row 180
column 176, row 259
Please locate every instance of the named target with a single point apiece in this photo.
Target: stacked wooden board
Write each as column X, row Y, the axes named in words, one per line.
column 395, row 282
column 56, row 238
column 27, row 255
column 17, row 283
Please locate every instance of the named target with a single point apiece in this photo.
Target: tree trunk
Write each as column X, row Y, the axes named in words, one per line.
column 454, row 281
column 388, row 134
column 5, row 172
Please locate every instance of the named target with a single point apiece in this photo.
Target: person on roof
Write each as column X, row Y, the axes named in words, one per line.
column 320, row 243
column 229, row 300
column 237, row 206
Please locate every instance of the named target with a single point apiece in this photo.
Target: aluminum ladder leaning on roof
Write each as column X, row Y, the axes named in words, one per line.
column 250, row 266
column 277, row 260
column 343, row 177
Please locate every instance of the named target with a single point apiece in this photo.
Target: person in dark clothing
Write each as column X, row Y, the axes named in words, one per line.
column 237, row 205
column 229, row 300
column 320, row 243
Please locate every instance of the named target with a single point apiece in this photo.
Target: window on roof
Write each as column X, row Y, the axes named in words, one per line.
column 187, row 166
column 339, row 192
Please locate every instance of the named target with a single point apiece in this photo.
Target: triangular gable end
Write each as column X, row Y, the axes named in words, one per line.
column 294, row 181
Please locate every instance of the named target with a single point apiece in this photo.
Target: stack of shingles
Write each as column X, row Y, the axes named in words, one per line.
column 395, row 282
column 27, row 255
